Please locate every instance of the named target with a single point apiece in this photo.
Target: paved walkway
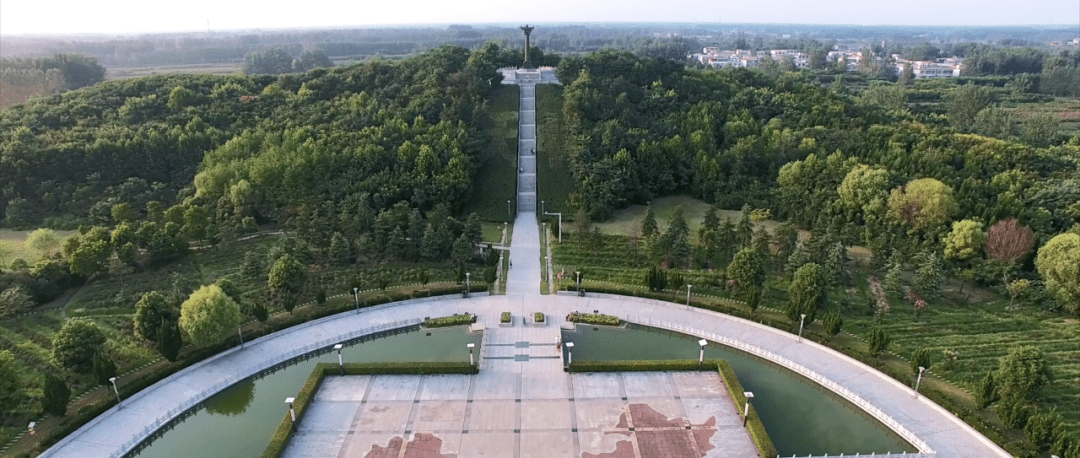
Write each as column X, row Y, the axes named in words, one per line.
column 522, row 405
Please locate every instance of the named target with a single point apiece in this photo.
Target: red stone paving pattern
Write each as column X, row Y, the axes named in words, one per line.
column 657, row 437
column 423, row 445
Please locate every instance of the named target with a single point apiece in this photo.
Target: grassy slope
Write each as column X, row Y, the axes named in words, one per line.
column 554, row 180
column 496, row 180
column 694, row 210
column 13, row 246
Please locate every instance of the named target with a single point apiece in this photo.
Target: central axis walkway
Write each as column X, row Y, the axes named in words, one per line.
column 524, row 276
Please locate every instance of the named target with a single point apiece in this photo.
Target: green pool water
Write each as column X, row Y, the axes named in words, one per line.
column 239, row 421
column 801, row 417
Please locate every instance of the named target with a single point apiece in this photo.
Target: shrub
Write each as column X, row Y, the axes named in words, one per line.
column 452, row 320
column 879, row 341
column 505, row 317
column 593, row 318
column 920, row 358
column 539, row 317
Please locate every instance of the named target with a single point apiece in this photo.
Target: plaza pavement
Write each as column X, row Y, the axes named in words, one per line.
column 522, row 405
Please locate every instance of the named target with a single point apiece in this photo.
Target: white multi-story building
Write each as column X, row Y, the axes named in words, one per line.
column 713, row 56
column 851, row 59
column 947, row 67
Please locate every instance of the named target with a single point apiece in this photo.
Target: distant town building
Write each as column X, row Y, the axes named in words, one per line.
column 851, row 59
column 713, row 56
column 946, row 67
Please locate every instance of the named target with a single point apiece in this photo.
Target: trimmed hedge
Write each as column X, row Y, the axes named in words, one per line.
column 593, row 318
column 284, row 431
column 538, row 317
column 761, row 439
column 504, row 317
column 452, row 320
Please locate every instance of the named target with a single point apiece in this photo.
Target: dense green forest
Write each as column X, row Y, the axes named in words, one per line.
column 931, row 182
column 371, row 165
column 365, row 168
column 644, row 128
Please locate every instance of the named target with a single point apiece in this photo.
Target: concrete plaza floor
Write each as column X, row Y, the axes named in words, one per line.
column 648, row 414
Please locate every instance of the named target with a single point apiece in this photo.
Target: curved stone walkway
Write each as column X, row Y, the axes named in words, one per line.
column 104, row 436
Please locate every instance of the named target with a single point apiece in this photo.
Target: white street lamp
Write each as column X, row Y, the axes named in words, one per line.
column 470, row 346
column 917, row 380
column 340, row 361
column 701, row 356
column 543, row 208
column 559, row 214
column 117, row 391
column 746, row 409
column 688, row 295
column 240, row 332
column 509, row 214
column 355, row 298
column 292, row 413
column 569, row 354
column 468, row 284
column 802, row 318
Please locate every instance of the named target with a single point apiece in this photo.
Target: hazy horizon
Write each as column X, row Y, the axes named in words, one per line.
column 128, row 17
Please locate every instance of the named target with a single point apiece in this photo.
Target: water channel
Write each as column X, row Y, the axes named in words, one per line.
column 239, row 421
column 801, row 417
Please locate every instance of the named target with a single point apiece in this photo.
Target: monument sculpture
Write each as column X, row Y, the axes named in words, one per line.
column 527, row 64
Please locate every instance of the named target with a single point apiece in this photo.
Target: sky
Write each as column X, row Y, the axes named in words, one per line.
column 22, row 17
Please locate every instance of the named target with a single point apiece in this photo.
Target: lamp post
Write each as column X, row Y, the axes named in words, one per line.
column 917, row 380
column 543, row 208
column 340, row 361
column 559, row 214
column 509, row 214
column 701, row 356
column 578, row 281
column 355, row 299
column 468, row 284
column 688, row 295
column 241, row 334
column 117, row 391
column 569, row 354
column 292, row 413
column 470, row 346
column 802, row 318
column 746, row 409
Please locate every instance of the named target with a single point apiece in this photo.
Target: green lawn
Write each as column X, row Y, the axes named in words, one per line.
column 694, row 210
column 493, row 233
column 496, row 180
column 554, row 180
column 13, row 246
